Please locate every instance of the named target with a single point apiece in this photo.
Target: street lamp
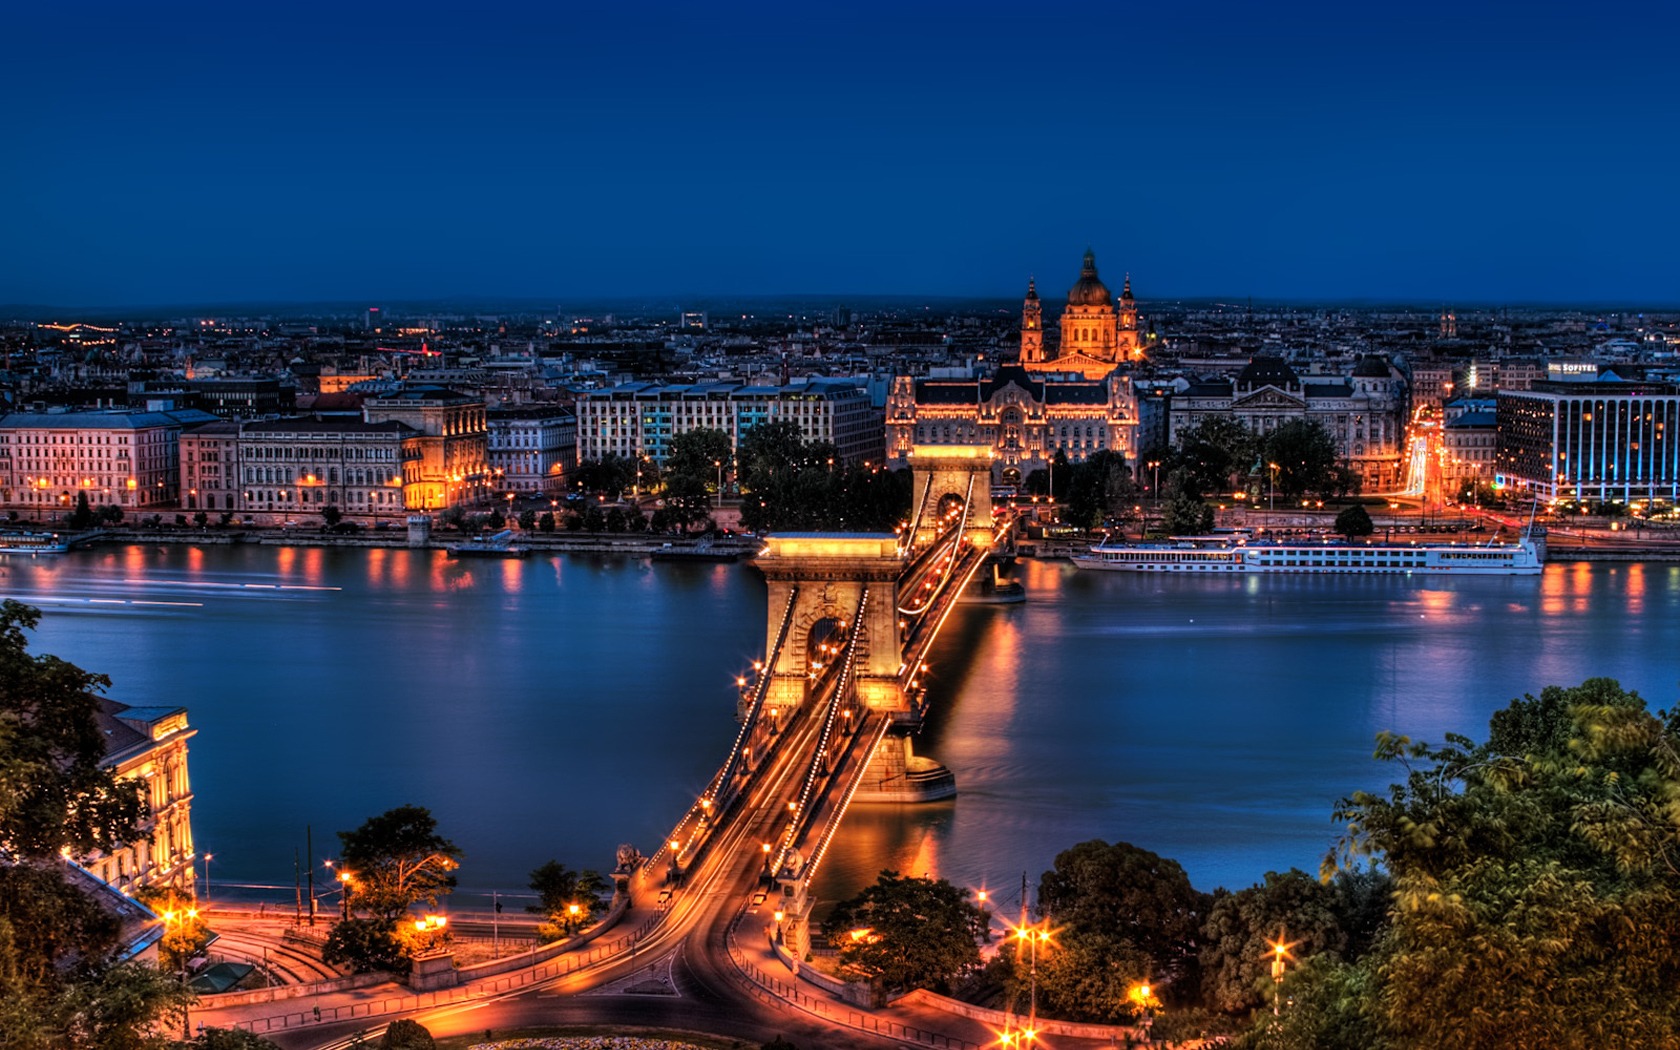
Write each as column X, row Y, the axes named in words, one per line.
column 1271, row 498
column 718, row 463
column 208, row 857
column 1155, row 465
column 429, row 928
column 572, row 914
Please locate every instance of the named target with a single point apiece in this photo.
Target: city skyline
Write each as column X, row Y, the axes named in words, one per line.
column 1313, row 154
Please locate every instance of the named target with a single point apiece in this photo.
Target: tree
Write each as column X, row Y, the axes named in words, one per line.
column 120, row 1006
column 1305, row 455
column 398, row 858
column 230, row 1039
column 1099, row 488
column 58, row 792
column 82, row 516
column 1355, row 521
column 366, row 946
column 528, row 520
column 592, row 520
column 546, row 522
column 114, row 514
column 686, row 500
column 1534, row 878
column 906, row 932
column 331, row 516
column 1186, row 516
column 1129, row 898
column 698, row 454
column 568, row 899
column 1312, row 918
column 1211, row 457
column 202, row 519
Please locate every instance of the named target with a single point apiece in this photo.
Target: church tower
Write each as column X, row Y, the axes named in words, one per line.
column 1032, row 326
column 1128, row 307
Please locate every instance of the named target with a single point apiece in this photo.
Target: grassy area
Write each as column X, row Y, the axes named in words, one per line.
column 697, row 1040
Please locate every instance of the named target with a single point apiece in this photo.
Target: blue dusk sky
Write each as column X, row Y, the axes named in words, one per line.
column 1427, row 152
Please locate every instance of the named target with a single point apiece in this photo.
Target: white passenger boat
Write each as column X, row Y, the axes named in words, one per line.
column 32, row 543
column 1229, row 554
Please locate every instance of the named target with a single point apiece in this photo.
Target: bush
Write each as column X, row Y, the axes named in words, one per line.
column 365, row 945
column 407, row 1035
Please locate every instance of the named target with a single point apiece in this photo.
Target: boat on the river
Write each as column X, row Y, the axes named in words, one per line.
column 501, row 545
column 33, row 543
column 700, row 550
column 1245, row 553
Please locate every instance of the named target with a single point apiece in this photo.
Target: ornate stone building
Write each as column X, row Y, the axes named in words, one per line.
column 1025, row 417
column 150, row 743
column 1095, row 335
column 1365, row 412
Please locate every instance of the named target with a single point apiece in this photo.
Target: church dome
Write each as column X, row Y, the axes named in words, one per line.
column 1089, row 289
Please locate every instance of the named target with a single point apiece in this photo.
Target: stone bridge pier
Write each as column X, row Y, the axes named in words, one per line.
column 832, row 572
column 943, row 475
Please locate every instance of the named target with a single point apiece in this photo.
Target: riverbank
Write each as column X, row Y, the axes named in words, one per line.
column 640, row 544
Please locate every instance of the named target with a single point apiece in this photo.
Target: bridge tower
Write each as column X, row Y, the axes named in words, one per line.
column 944, row 476
column 826, row 576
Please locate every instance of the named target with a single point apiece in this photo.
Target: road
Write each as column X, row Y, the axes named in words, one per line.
column 679, row 976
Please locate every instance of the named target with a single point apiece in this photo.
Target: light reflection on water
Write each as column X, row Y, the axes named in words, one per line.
column 554, row 707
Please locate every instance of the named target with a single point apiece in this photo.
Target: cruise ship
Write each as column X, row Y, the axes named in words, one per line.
column 1227, row 554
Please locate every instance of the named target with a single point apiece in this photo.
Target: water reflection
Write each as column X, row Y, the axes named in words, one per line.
column 1213, row 721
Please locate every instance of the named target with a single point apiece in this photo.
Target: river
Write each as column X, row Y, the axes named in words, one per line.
column 556, row 706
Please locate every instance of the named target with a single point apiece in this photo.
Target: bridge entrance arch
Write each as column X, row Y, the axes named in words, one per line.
column 817, row 583
column 947, row 476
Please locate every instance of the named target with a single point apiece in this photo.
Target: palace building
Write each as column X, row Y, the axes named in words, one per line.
column 1074, row 398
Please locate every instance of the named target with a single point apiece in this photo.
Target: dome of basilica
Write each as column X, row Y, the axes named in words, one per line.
column 1089, row 289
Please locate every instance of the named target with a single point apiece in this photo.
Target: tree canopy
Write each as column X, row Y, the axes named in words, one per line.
column 788, row 483
column 55, row 791
column 1355, row 521
column 60, row 985
column 908, row 932
column 1131, row 900
column 1100, row 487
column 560, row 889
column 397, row 859
column 1535, row 878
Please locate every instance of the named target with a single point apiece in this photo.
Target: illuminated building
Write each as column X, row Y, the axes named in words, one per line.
column 289, row 467
column 1095, row 334
column 149, row 743
column 124, row 459
column 532, row 450
column 1026, row 417
column 450, row 465
column 1600, row 440
column 638, row 420
column 1364, row 412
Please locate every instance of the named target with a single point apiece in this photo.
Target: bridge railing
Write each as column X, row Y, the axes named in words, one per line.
column 761, row 690
column 777, row 991
column 842, row 689
column 856, row 773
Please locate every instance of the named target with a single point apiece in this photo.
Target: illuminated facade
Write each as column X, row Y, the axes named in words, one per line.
column 638, row 420
column 1364, row 412
column 1602, row 441
column 123, row 459
column 532, row 450
column 1025, row 417
column 150, row 743
column 1096, row 333
column 450, row 465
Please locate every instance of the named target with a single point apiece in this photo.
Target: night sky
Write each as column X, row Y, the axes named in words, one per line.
column 1462, row 152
